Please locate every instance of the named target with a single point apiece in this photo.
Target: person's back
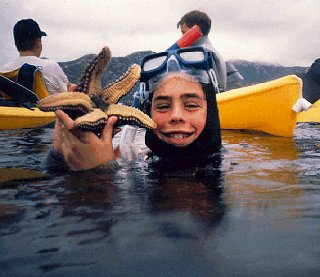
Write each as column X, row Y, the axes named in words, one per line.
column 27, row 36
column 53, row 75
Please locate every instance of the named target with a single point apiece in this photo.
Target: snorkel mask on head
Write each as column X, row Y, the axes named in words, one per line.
column 194, row 61
column 191, row 60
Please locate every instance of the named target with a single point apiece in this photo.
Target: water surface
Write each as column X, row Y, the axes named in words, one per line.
column 256, row 214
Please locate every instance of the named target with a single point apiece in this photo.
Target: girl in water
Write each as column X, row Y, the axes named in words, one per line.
column 178, row 90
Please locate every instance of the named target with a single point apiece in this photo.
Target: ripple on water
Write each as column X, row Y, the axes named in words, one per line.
column 247, row 220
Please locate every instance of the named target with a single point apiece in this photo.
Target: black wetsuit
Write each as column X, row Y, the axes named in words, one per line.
column 311, row 82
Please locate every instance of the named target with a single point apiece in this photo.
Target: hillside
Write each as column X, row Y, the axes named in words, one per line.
column 253, row 72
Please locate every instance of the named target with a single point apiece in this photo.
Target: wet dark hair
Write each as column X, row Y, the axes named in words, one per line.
column 196, row 18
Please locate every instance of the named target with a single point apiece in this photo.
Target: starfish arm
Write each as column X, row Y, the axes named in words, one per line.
column 93, row 121
column 131, row 116
column 81, row 105
column 90, row 82
column 112, row 93
column 73, row 103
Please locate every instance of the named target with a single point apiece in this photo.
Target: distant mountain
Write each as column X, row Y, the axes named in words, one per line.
column 116, row 67
column 258, row 72
column 253, row 72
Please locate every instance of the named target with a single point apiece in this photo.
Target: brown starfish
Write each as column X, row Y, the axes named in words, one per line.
column 90, row 105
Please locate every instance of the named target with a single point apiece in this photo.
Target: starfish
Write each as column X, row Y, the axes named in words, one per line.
column 90, row 105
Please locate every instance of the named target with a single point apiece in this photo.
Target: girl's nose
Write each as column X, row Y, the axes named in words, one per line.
column 177, row 114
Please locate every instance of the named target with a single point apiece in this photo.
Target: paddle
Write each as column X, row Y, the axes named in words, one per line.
column 20, row 95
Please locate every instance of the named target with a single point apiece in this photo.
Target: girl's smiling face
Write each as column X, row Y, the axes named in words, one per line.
column 179, row 109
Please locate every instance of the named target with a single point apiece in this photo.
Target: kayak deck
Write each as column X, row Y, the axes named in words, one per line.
column 16, row 118
column 311, row 115
column 265, row 107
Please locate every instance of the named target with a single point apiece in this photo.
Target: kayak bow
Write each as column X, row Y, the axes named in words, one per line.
column 16, row 118
column 311, row 115
column 265, row 107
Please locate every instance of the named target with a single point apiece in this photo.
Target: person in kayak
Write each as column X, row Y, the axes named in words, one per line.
column 227, row 74
column 311, row 82
column 201, row 19
column 180, row 96
column 28, row 40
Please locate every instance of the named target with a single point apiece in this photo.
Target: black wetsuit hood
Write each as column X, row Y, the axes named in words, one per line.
column 208, row 143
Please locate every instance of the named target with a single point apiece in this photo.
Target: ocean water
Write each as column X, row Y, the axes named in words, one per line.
column 257, row 214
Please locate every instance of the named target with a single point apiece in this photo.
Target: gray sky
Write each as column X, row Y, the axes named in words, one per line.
column 272, row 31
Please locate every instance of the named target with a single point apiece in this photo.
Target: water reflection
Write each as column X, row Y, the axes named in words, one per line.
column 25, row 147
column 197, row 192
column 88, row 198
column 246, row 214
column 262, row 171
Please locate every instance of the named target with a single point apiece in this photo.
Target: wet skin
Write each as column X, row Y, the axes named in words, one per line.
column 179, row 109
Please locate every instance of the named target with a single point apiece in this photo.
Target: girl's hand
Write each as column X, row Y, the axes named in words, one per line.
column 83, row 150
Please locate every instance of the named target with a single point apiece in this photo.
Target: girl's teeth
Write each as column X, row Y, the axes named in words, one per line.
column 178, row 136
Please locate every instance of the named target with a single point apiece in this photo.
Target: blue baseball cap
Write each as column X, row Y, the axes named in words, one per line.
column 27, row 29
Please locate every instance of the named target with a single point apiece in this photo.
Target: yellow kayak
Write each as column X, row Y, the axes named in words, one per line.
column 16, row 118
column 265, row 107
column 12, row 117
column 311, row 115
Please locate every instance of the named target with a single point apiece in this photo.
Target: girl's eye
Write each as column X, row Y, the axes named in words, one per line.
column 191, row 105
column 162, row 107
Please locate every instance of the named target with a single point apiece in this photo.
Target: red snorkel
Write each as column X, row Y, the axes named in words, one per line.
column 188, row 38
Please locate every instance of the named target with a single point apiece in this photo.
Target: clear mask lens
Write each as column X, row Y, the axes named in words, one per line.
column 154, row 63
column 190, row 57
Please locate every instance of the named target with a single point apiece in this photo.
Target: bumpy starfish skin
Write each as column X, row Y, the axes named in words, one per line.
column 130, row 115
column 66, row 98
column 90, row 82
column 75, row 104
column 93, row 121
column 111, row 93
column 92, row 105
